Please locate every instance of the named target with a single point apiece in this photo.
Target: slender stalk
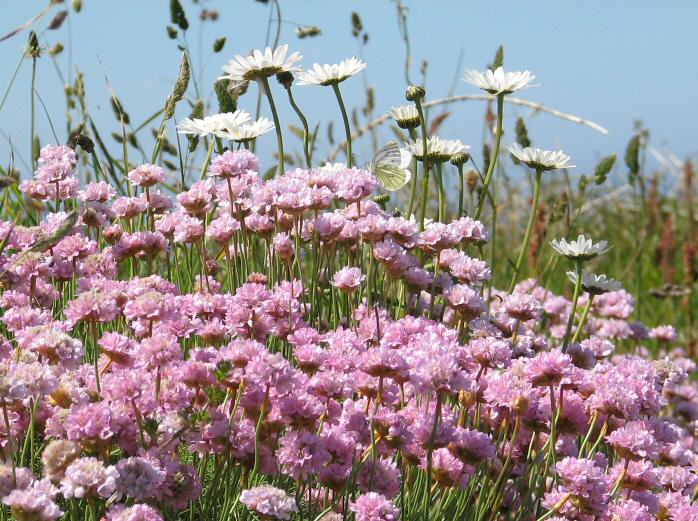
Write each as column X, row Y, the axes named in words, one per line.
column 442, row 193
column 413, row 181
column 33, row 117
column 345, row 118
column 575, row 298
column 306, row 130
column 461, row 190
column 529, row 228
column 583, row 318
column 425, row 164
column 277, row 125
column 493, row 159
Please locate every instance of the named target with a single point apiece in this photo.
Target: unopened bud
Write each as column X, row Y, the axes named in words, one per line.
column 459, row 158
column 415, row 93
column 285, row 78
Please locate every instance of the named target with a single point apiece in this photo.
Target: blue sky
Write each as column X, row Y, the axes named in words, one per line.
column 611, row 62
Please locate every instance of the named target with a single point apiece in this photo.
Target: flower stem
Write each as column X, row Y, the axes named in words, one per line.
column 442, row 193
column 583, row 318
column 425, row 164
column 493, row 159
column 277, row 124
column 461, row 191
column 529, row 228
column 345, row 118
column 575, row 298
column 304, row 122
column 413, row 182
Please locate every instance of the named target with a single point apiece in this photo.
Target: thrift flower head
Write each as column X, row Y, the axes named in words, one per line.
column 374, row 507
column 269, row 502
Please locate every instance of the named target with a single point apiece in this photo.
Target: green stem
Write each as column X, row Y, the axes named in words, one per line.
column 575, row 298
column 493, row 159
column 413, row 181
column 277, row 124
column 585, row 313
column 425, row 163
column 529, row 228
column 442, row 193
column 345, row 118
column 31, row 141
column 461, row 191
column 304, row 122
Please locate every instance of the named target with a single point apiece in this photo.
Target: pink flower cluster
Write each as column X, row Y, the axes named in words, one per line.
column 294, row 332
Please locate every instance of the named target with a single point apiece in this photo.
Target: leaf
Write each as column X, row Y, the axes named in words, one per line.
column 603, row 169
column 498, row 59
column 218, row 44
column 632, row 156
column 178, row 16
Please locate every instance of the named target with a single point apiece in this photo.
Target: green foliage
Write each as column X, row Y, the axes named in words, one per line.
column 632, row 156
column 498, row 59
column 178, row 16
column 219, row 44
column 603, row 169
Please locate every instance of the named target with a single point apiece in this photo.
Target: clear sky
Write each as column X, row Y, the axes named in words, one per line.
column 611, row 62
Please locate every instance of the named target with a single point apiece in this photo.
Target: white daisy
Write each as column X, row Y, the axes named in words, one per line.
column 438, row 149
column 499, row 82
column 581, row 249
column 543, row 160
column 406, row 116
column 595, row 284
column 216, row 124
column 249, row 131
column 260, row 64
column 331, row 74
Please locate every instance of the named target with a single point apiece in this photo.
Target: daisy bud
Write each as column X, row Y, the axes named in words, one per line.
column 415, row 93
column 285, row 78
column 460, row 158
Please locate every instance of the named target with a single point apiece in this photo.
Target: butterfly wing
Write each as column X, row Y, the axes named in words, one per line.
column 391, row 177
column 388, row 169
column 390, row 154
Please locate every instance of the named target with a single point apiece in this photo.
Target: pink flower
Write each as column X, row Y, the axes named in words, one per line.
column 147, row 175
column 374, row 507
column 88, row 478
column 348, row 279
column 35, row 502
column 270, row 502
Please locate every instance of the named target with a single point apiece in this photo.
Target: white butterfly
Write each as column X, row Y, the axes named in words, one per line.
column 390, row 166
